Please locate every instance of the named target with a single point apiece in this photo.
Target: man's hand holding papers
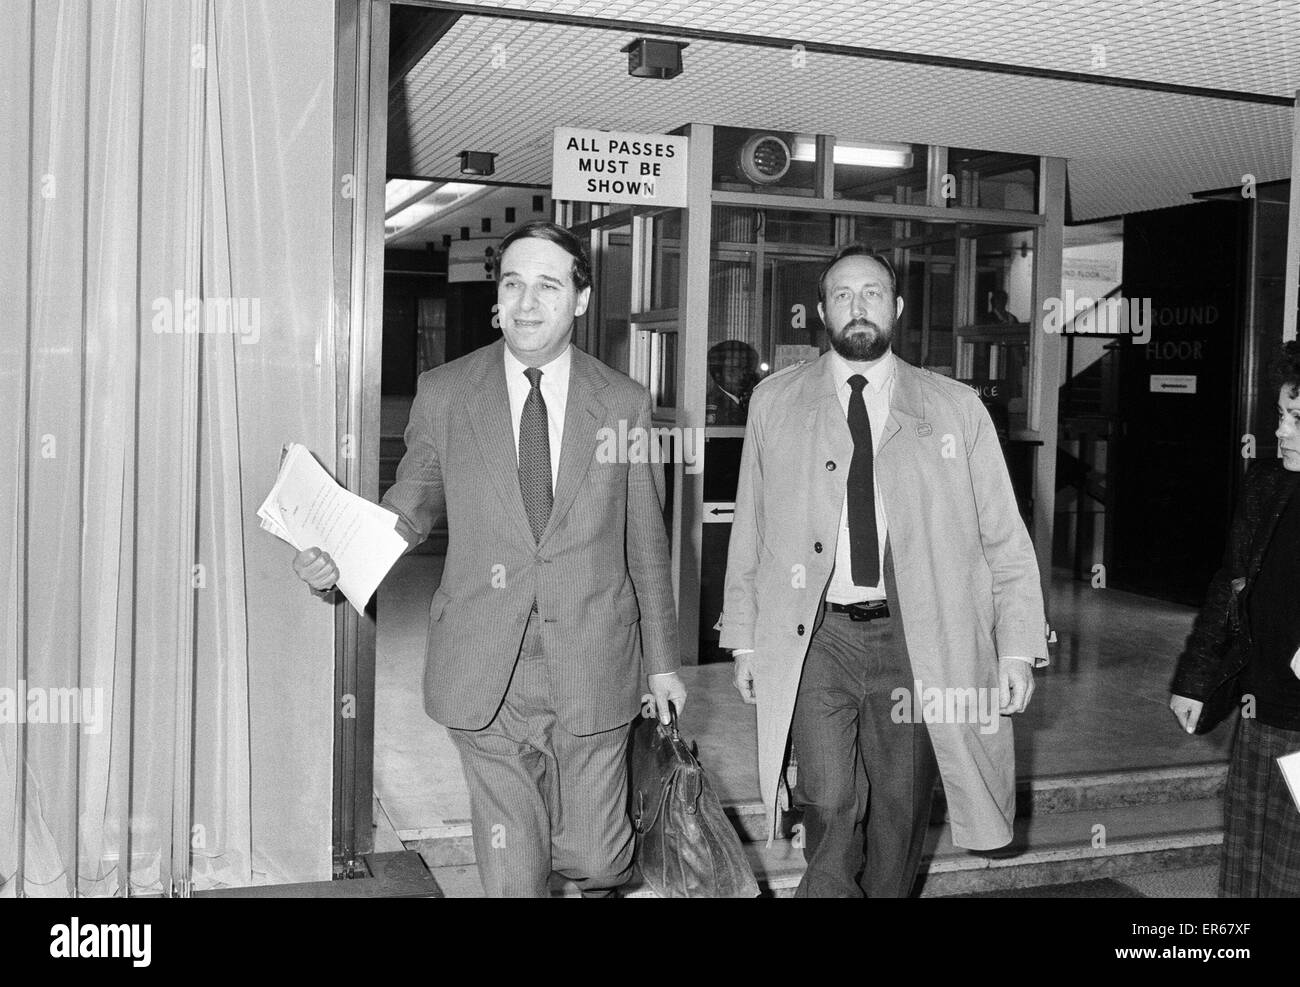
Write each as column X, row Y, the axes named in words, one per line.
column 340, row 537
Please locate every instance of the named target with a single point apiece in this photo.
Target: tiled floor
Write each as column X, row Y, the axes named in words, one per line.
column 1100, row 706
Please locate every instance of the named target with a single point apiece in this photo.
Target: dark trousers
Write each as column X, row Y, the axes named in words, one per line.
column 543, row 799
column 865, row 782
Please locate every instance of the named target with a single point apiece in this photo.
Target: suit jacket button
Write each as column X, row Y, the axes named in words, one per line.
column 830, row 465
column 817, row 547
column 800, row 630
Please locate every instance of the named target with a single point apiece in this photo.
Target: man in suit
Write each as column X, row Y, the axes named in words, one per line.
column 556, row 594
column 883, row 603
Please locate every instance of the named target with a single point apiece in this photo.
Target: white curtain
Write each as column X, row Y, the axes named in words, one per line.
column 166, row 166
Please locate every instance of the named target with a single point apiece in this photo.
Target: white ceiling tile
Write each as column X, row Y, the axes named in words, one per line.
column 504, row 85
column 1213, row 43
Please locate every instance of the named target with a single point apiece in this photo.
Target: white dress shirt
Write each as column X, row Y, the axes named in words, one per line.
column 877, row 393
column 555, row 392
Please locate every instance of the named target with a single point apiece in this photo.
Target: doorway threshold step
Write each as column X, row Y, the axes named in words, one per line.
column 1051, row 849
column 1051, row 795
column 450, row 844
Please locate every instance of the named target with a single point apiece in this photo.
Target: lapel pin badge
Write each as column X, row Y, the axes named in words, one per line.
column 923, row 429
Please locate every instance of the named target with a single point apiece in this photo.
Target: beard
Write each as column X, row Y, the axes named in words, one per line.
column 861, row 346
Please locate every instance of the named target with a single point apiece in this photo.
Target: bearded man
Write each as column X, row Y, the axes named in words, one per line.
column 883, row 602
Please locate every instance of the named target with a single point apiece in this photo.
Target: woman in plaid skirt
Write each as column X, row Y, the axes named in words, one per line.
column 1245, row 650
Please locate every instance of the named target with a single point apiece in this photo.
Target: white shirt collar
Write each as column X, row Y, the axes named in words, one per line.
column 557, row 370
column 878, row 375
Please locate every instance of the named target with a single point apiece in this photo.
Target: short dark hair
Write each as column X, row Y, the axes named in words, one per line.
column 732, row 351
column 1284, row 370
column 857, row 250
column 565, row 239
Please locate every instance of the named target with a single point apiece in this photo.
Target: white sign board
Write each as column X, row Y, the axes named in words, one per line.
column 719, row 511
column 1173, row 383
column 612, row 166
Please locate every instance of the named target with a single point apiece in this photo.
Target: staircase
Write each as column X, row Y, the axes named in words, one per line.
column 1068, row 829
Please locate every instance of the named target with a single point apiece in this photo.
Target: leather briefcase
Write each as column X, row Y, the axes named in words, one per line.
column 686, row 846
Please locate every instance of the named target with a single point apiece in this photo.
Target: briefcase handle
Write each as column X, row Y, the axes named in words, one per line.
column 672, row 713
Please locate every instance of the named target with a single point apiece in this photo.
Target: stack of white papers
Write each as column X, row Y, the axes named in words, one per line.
column 307, row 509
column 1290, row 765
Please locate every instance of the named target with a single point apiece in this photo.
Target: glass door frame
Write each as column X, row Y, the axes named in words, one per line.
column 688, row 322
column 594, row 222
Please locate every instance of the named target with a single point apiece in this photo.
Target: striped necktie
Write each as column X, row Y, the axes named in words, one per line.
column 535, row 457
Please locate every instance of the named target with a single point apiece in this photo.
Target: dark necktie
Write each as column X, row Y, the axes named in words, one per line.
column 535, row 457
column 864, row 544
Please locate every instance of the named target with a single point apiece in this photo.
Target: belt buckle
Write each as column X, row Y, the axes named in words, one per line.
column 862, row 612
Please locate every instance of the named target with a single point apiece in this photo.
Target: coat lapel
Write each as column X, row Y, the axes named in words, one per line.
column 822, row 411
column 906, row 405
column 490, row 421
column 583, row 414
column 826, row 437
column 822, row 414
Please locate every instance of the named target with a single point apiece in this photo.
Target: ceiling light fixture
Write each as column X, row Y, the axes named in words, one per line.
column 858, row 154
column 414, row 204
column 651, row 58
column 401, row 192
column 481, row 163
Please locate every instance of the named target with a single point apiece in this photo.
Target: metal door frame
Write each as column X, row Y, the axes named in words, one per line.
column 360, row 172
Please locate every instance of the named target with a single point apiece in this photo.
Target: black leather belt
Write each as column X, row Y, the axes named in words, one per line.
column 872, row 610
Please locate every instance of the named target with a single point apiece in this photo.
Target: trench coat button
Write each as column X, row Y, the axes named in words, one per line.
column 830, row 465
column 799, row 629
column 817, row 547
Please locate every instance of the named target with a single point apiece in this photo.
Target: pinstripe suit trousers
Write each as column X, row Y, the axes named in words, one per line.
column 541, row 798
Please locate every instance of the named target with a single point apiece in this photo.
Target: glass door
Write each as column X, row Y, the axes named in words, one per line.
column 994, row 304
column 613, row 298
column 790, row 299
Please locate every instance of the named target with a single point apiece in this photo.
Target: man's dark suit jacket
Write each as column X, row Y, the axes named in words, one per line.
column 600, row 573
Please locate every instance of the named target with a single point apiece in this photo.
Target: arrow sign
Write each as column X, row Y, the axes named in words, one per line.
column 1173, row 383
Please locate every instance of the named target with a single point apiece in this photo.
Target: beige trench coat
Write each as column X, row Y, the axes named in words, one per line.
column 966, row 578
